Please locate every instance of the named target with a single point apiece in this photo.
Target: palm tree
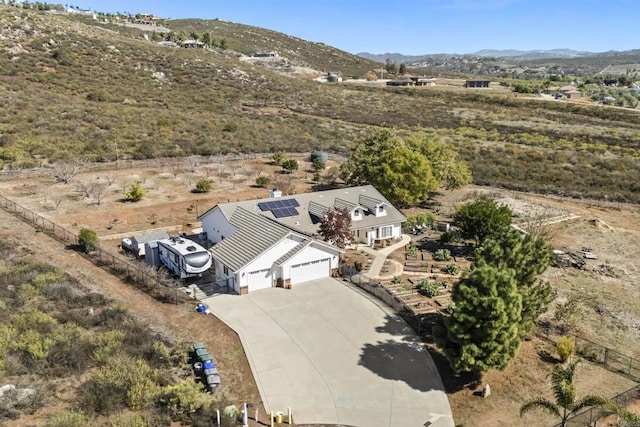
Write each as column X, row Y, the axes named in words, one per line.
column 564, row 392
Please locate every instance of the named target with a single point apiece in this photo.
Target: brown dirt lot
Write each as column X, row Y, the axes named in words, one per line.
column 610, row 307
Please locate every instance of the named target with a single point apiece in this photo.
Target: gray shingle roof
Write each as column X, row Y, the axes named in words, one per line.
column 314, row 204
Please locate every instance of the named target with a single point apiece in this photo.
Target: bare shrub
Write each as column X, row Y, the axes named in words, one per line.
column 65, row 172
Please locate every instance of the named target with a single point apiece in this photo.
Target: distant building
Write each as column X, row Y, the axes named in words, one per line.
column 404, row 82
column 477, row 83
column 193, row 44
column 266, row 54
column 573, row 94
column 424, row 81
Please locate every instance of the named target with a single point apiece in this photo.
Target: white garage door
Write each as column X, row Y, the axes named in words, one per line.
column 310, row 271
column 260, row 279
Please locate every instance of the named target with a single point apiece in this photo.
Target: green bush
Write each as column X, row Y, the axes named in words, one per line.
column 412, row 250
column 442, row 255
column 429, row 289
column 452, row 269
column 88, row 239
column 203, row 186
column 566, row 347
column 185, row 397
column 278, row 157
column 263, row 181
column 290, row 165
column 135, row 192
column 67, row 419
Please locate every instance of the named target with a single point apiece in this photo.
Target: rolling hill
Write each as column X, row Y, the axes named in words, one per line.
column 74, row 88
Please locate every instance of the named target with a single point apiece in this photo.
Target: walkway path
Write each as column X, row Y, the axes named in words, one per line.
column 380, row 256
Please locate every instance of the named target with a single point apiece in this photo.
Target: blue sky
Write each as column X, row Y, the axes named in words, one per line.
column 419, row 26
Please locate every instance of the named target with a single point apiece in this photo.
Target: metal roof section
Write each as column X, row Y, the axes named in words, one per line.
column 317, row 209
column 293, row 251
column 370, row 202
column 151, row 236
column 344, row 204
column 255, row 234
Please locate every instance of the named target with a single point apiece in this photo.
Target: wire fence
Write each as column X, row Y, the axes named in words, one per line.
column 597, row 353
column 591, row 416
column 155, row 282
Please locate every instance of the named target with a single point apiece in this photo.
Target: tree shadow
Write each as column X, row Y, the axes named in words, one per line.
column 400, row 361
column 405, row 357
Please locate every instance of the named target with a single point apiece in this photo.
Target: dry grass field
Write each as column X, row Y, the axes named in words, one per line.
column 607, row 287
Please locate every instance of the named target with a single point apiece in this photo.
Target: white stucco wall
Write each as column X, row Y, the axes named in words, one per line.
column 310, row 253
column 215, row 224
column 267, row 259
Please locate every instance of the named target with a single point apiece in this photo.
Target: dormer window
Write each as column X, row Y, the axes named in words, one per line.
column 357, row 214
column 380, row 210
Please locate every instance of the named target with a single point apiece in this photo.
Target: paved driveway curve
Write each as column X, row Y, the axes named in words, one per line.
column 335, row 355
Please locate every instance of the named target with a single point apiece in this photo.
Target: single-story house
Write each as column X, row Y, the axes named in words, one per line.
column 573, row 94
column 275, row 242
column 404, row 82
column 424, row 81
column 477, row 83
column 193, row 44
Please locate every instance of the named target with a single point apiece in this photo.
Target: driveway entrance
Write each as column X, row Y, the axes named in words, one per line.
column 335, row 356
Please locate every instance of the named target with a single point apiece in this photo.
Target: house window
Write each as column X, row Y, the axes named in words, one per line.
column 380, row 209
column 225, row 270
column 386, row 232
column 356, row 213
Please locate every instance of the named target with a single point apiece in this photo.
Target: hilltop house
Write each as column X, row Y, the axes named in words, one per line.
column 274, row 241
column 477, row 83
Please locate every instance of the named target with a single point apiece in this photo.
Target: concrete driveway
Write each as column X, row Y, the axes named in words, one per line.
column 335, row 355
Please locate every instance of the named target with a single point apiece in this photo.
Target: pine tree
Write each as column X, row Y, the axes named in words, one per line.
column 527, row 258
column 482, row 332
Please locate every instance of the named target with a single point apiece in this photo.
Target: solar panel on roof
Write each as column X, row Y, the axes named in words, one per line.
column 294, row 203
column 278, row 213
column 263, row 206
column 279, row 204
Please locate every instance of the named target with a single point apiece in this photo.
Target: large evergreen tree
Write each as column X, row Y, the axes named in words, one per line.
column 527, row 258
column 482, row 332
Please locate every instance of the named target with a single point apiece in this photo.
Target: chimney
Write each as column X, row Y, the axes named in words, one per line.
column 274, row 193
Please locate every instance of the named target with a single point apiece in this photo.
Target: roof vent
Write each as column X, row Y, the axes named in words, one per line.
column 191, row 248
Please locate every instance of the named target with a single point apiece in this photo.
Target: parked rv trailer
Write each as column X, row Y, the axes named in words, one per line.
column 184, row 257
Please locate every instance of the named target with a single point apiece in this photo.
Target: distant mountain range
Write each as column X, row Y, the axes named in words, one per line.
column 513, row 55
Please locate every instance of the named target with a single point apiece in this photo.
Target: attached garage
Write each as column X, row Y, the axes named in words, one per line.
column 310, row 270
column 260, row 279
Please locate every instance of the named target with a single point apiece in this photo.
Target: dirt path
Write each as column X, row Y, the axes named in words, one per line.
column 180, row 323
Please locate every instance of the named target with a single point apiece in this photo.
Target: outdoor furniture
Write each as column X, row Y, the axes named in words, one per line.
column 198, row 345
